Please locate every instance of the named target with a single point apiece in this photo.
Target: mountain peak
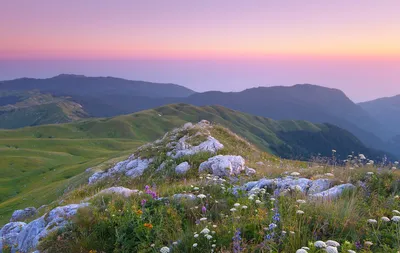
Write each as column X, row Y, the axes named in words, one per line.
column 69, row 76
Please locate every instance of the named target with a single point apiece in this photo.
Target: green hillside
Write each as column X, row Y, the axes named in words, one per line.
column 21, row 109
column 39, row 163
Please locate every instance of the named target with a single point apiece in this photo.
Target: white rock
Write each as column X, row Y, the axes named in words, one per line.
column 27, row 236
column 21, row 215
column 182, row 168
column 221, row 165
column 319, row 185
column 140, row 167
column 250, row 171
column 333, row 192
column 118, row 190
column 182, row 148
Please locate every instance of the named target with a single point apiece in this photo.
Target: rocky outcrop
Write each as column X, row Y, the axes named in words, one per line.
column 320, row 188
column 131, row 167
column 21, row 215
column 224, row 165
column 182, row 148
column 24, row 237
column 182, row 168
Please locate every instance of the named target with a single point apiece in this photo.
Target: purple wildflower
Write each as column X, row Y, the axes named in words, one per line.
column 203, row 209
column 237, row 239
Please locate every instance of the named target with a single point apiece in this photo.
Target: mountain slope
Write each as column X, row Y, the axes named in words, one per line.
column 20, row 109
column 386, row 111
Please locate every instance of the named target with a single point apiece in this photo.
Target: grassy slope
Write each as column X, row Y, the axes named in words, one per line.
column 39, row 161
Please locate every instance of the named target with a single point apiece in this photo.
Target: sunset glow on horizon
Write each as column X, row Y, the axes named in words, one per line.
column 323, row 33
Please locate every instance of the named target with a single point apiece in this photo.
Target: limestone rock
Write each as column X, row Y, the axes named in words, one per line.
column 21, row 215
column 319, row 185
column 182, row 148
column 182, row 168
column 118, row 190
column 223, row 165
column 333, row 192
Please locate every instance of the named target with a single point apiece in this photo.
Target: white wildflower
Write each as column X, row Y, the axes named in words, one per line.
column 396, row 211
column 152, row 245
column 233, row 210
column 196, row 188
column 196, row 235
column 205, row 231
column 203, row 219
column 244, row 207
column 214, row 226
column 301, row 201
column 209, row 237
column 385, row 219
column 306, row 248
column 272, row 199
column 331, row 249
column 236, row 205
column 372, row 221
column 396, row 218
column 213, row 245
column 258, row 201
column 175, row 243
column 300, row 212
column 292, row 232
column 301, row 251
column 295, row 174
column 194, row 245
column 164, row 250
column 320, row 244
column 368, row 243
column 332, row 243
column 370, row 173
column 201, row 196
column 329, row 175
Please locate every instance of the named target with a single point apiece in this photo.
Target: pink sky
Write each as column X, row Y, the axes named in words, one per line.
column 224, row 45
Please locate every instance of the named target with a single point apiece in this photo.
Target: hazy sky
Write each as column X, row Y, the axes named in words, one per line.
column 208, row 44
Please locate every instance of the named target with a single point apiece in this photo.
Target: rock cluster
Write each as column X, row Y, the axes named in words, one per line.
column 21, row 215
column 320, row 188
column 23, row 237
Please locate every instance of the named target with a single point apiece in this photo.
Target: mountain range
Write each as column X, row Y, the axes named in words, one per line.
column 374, row 122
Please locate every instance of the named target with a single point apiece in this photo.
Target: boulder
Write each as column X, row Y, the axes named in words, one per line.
column 21, row 215
column 333, row 192
column 182, row 148
column 223, row 165
column 24, row 237
column 184, row 196
column 319, row 185
column 138, row 168
column 182, row 168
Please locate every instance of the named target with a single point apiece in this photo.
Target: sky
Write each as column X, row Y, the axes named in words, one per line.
column 208, row 45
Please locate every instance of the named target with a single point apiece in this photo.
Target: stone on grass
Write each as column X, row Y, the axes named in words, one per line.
column 182, row 168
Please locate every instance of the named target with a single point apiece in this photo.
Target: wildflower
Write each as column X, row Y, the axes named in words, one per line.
column 301, row 251
column 148, row 225
column 139, row 212
column 370, row 173
column 196, row 235
column 203, row 209
column 306, row 248
column 362, row 157
column 236, row 205
column 320, row 244
column 295, row 174
column 152, row 245
column 301, row 201
column 203, row 219
column 368, row 243
column 396, row 212
column 164, row 250
column 233, row 210
column 351, row 251
column 332, row 243
column 396, row 218
column 205, row 231
column 329, row 175
column 175, row 243
column 201, row 196
column 299, row 212
column 272, row 226
column 194, row 245
column 143, row 202
column 258, row 201
column 244, row 207
column 213, row 245
column 214, row 226
column 196, row 188
column 208, row 237
column 237, row 241
column 272, row 199
column 251, row 197
column 331, row 249
column 372, row 221
column 385, row 219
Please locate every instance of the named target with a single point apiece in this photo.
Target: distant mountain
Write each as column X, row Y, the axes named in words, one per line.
column 302, row 102
column 31, row 108
column 386, row 111
column 97, row 87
